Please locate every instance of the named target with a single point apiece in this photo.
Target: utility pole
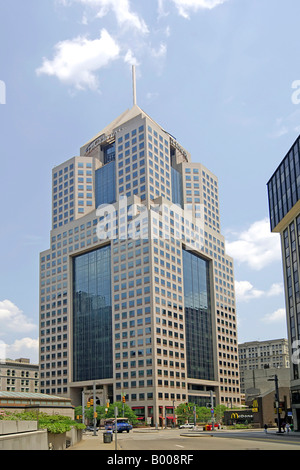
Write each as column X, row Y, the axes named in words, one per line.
column 82, row 405
column 173, row 413
column 276, row 400
column 212, row 410
column 116, row 428
column 94, row 409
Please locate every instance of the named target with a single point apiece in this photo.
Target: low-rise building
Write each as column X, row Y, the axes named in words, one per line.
column 39, row 402
column 256, row 355
column 19, row 376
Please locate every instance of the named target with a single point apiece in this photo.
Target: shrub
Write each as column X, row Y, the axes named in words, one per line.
column 56, row 424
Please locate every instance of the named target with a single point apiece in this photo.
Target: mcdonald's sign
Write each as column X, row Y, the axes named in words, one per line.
column 255, row 406
column 240, row 416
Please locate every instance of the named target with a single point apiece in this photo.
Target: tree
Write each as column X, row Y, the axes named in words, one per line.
column 102, row 414
column 185, row 412
column 219, row 412
column 128, row 413
column 204, row 414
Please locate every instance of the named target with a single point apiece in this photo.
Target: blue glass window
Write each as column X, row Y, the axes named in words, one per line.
column 284, row 186
column 177, row 192
column 198, row 321
column 92, row 315
column 109, row 153
column 105, row 184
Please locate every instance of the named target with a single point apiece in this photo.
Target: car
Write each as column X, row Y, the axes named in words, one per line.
column 122, row 425
column 187, row 426
column 91, row 428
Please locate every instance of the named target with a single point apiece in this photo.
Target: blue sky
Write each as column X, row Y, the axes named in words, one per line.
column 217, row 74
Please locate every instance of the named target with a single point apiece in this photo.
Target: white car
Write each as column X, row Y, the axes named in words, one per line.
column 187, row 426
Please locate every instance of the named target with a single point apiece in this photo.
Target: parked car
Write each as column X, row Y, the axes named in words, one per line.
column 91, row 428
column 121, row 425
column 187, row 426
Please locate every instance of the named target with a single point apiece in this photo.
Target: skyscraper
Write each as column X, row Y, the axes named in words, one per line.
column 284, row 207
column 136, row 289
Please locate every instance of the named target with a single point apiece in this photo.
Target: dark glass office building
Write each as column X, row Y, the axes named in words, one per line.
column 284, row 186
column 92, row 316
column 198, row 321
column 284, row 208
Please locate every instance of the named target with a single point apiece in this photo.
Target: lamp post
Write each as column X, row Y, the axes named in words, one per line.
column 276, row 400
column 173, row 413
column 212, row 410
column 94, row 409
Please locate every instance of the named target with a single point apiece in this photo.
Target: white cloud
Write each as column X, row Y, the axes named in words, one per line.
column 121, row 9
column 257, row 246
column 25, row 347
column 245, row 291
column 276, row 289
column 160, row 52
column 286, row 125
column 13, row 319
column 185, row 6
column 274, row 317
column 130, row 58
column 76, row 61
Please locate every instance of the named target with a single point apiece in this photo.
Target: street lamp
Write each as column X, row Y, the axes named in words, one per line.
column 173, row 413
column 276, row 400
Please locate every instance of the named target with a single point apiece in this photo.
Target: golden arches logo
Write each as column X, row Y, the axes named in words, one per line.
column 234, row 416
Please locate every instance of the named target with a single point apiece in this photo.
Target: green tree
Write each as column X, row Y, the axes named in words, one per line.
column 219, row 412
column 102, row 414
column 185, row 412
column 204, row 414
column 128, row 413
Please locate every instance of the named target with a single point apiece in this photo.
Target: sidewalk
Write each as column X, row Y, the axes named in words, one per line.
column 91, row 442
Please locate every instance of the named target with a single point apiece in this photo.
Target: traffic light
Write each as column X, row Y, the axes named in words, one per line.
column 107, row 404
column 92, row 401
column 123, row 399
column 88, row 404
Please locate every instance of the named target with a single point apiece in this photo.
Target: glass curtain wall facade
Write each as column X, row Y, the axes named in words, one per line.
column 284, row 186
column 177, row 190
column 284, row 210
column 92, row 315
column 198, row 321
column 105, row 184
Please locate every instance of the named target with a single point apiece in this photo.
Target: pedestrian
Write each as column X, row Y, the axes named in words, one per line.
column 287, row 427
column 283, row 426
column 266, row 428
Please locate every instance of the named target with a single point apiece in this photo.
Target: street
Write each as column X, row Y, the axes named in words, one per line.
column 186, row 440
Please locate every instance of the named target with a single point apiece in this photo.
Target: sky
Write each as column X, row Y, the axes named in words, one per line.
column 222, row 76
